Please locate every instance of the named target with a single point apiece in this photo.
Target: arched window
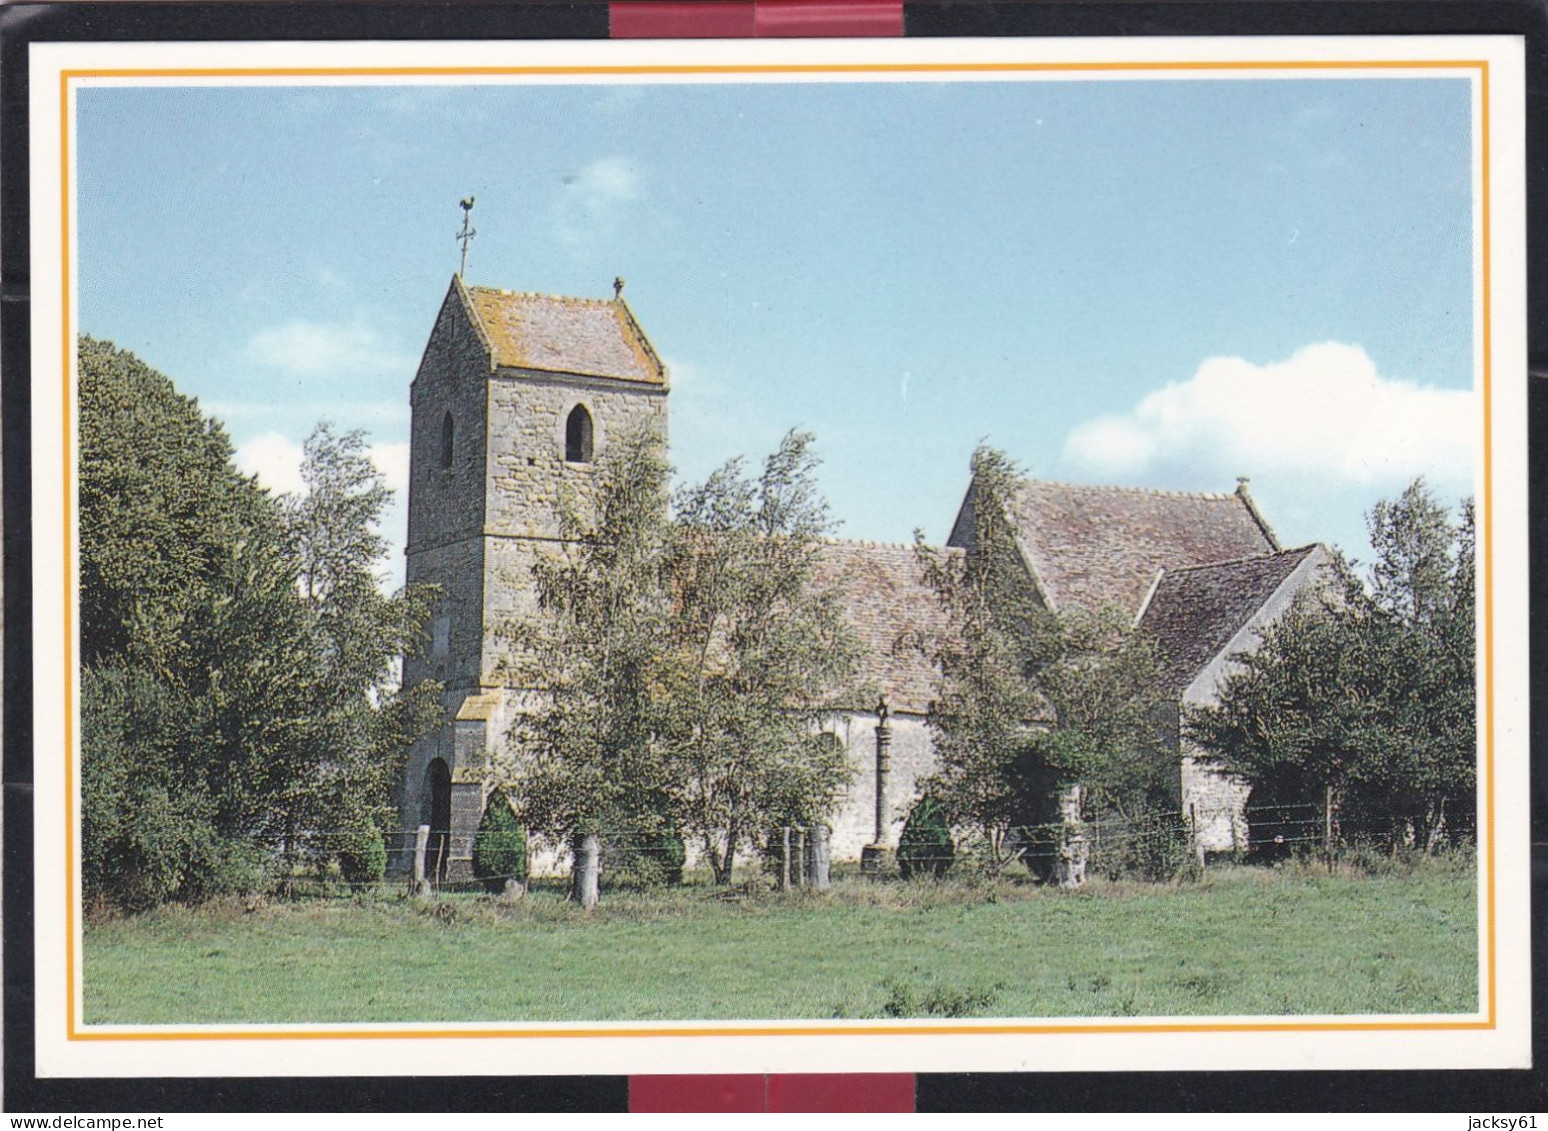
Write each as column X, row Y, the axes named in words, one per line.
column 448, row 439
column 577, row 436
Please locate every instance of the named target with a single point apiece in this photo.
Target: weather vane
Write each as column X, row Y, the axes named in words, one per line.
column 467, row 233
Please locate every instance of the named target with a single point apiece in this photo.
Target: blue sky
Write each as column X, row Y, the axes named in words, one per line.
column 1156, row 283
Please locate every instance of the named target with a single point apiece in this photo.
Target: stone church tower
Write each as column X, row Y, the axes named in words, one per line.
column 516, row 396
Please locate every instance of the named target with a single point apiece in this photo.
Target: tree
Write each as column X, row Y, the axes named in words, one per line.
column 227, row 705
column 1362, row 697
column 586, row 757
column 1031, row 701
column 362, row 723
column 189, row 616
column 758, row 652
column 988, row 710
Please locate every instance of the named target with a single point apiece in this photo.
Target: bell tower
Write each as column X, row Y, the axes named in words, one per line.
column 517, row 396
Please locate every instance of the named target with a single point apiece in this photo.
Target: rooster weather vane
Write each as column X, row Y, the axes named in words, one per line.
column 465, row 236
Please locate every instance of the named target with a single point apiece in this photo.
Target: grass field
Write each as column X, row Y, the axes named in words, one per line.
column 1243, row 941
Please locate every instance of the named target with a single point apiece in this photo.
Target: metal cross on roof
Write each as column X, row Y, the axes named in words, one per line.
column 467, row 233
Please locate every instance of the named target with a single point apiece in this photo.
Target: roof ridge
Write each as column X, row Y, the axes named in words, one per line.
column 1310, row 546
column 1112, row 488
column 506, row 293
column 835, row 540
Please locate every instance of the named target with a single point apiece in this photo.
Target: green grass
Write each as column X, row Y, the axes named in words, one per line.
column 1244, row 941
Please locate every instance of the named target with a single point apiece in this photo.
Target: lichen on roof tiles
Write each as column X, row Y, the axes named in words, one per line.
column 895, row 614
column 1096, row 546
column 1195, row 612
column 550, row 333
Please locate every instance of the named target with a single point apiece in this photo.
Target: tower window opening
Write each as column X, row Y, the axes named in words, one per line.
column 577, row 436
column 448, row 440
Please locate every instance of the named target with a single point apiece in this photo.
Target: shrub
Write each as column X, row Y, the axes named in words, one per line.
column 361, row 854
column 500, row 845
column 646, row 860
column 1150, row 847
column 925, row 848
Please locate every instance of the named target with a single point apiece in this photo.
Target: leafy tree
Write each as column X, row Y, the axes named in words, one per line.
column 586, row 757
column 361, row 724
column 988, row 709
column 189, row 615
column 1362, row 697
column 1030, row 700
column 225, row 706
column 758, row 650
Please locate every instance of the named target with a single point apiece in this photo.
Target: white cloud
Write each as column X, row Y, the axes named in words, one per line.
column 317, row 349
column 275, row 459
column 596, row 197
column 1324, row 413
column 393, row 462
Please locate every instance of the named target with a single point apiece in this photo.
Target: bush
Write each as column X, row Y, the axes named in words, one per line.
column 1150, row 847
column 499, row 846
column 150, row 833
column 361, row 854
column 925, row 848
column 647, row 860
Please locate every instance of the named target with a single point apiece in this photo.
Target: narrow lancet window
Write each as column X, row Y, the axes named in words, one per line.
column 577, row 436
column 448, row 439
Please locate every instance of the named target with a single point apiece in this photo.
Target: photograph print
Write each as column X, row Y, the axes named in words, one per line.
column 852, row 551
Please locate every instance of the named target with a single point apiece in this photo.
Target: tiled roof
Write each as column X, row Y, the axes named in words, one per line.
column 896, row 615
column 1095, row 546
column 1195, row 612
column 592, row 337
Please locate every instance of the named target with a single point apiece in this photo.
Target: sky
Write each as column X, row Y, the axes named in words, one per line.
column 1162, row 284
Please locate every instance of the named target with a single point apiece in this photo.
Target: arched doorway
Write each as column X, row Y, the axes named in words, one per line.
column 439, row 793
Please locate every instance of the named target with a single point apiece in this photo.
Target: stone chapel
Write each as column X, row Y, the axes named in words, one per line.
column 518, row 393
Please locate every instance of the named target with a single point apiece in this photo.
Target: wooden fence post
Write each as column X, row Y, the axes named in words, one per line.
column 784, row 858
column 801, row 871
column 1327, row 827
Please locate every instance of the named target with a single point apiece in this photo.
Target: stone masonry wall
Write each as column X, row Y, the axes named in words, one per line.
column 526, row 466
column 527, row 476
column 913, row 758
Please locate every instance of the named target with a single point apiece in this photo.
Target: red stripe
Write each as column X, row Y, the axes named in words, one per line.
column 855, row 1091
column 737, row 19
column 696, row 1093
column 829, row 17
column 792, row 1092
column 681, row 19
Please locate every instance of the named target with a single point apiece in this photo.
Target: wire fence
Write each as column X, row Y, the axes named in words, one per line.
column 1150, row 845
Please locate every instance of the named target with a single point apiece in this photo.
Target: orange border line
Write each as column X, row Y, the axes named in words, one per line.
column 73, row 1033
column 1490, row 902
column 771, row 68
column 72, row 894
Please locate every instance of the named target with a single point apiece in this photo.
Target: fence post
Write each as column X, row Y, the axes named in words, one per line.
column 784, row 858
column 1327, row 827
column 586, row 874
column 421, row 844
column 1193, row 832
column 820, row 857
column 801, row 870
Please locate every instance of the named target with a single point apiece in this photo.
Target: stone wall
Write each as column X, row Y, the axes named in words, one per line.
column 527, row 415
column 912, row 759
column 1217, row 802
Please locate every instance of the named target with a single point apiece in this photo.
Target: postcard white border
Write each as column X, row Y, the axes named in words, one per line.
column 375, row 1050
